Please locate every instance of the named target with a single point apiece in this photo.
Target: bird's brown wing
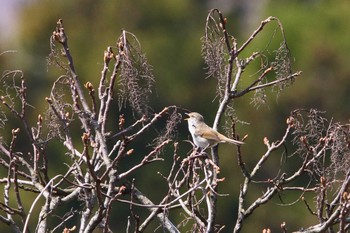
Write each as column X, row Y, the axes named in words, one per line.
column 210, row 134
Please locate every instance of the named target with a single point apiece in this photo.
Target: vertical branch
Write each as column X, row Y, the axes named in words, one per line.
column 231, row 50
column 10, row 171
column 211, row 176
column 102, row 92
column 23, row 98
column 60, row 36
column 17, row 193
column 110, row 91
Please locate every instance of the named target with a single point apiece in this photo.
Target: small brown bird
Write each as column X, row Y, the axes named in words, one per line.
column 204, row 136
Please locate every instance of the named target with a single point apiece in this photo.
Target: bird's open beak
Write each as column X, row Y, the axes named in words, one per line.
column 186, row 119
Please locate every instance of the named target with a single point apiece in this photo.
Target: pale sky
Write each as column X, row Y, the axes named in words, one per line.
column 9, row 19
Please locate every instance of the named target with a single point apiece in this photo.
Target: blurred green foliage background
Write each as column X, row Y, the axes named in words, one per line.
column 317, row 33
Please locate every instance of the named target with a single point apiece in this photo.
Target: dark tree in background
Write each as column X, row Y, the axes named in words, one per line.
column 100, row 127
